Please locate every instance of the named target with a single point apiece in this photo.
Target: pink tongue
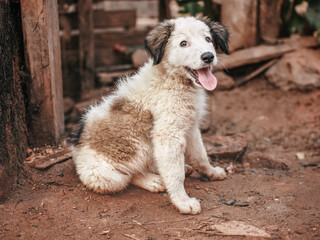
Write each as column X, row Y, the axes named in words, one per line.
column 206, row 78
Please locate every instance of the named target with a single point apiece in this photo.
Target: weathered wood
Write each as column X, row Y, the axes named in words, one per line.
column 108, row 56
column 266, row 52
column 108, row 39
column 108, row 78
column 86, row 46
column 256, row 72
column 40, row 24
column 128, row 38
column 240, row 16
column 106, row 19
column 270, row 19
column 48, row 161
column 70, row 73
column 13, row 133
column 164, row 10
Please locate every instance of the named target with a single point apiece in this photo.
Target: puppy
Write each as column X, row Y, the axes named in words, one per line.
column 147, row 130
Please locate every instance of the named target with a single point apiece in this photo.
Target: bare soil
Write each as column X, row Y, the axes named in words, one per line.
column 53, row 204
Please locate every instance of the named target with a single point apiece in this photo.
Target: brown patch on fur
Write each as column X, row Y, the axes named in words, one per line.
column 119, row 135
column 157, row 39
column 186, row 82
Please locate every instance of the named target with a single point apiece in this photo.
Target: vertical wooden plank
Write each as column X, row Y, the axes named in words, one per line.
column 240, row 16
column 270, row 21
column 86, row 46
column 164, row 10
column 40, row 25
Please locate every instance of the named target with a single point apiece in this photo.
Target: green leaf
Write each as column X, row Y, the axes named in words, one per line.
column 313, row 13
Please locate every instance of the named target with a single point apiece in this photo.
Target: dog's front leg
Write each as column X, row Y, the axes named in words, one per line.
column 169, row 149
column 197, row 157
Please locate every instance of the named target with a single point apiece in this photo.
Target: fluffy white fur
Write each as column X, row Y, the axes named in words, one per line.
column 177, row 108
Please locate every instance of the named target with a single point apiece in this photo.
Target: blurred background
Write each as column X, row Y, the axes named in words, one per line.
column 118, row 29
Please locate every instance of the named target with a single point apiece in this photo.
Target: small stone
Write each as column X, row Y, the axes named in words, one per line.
column 197, row 187
column 204, row 179
column 230, row 202
column 105, row 232
column 300, row 155
column 226, row 147
column 296, row 70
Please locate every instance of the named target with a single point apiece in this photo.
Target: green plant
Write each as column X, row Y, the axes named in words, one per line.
column 313, row 15
column 301, row 16
column 192, row 7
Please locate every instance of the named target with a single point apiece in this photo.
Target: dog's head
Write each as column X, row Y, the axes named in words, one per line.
column 189, row 45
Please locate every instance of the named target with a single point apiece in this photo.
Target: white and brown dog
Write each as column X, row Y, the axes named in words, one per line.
column 147, row 130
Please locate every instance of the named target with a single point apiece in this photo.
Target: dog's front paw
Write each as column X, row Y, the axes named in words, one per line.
column 218, row 173
column 189, row 206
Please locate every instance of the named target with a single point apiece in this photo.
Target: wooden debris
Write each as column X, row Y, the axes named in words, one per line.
column 131, row 236
column 226, row 147
column 105, row 19
column 255, row 73
column 48, row 161
column 109, row 77
column 86, row 46
column 266, row 52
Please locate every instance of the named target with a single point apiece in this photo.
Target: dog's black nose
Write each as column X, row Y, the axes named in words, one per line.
column 207, row 57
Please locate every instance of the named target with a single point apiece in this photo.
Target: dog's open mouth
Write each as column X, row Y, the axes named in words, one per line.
column 203, row 77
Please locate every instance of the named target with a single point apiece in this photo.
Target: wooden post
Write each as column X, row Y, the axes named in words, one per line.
column 13, row 136
column 240, row 16
column 164, row 10
column 86, row 46
column 40, row 25
column 270, row 21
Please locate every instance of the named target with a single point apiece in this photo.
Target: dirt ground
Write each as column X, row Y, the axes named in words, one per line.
column 53, row 204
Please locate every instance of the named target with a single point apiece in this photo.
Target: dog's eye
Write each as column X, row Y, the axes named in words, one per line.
column 183, row 43
column 208, row 39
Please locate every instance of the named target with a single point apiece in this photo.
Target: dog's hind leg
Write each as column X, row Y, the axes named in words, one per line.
column 149, row 181
column 98, row 174
column 196, row 156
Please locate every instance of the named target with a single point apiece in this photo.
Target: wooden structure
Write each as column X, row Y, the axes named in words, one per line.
column 43, row 60
column 13, row 136
column 31, row 104
column 88, row 37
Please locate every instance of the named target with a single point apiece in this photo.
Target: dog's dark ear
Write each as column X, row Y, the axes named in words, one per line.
column 157, row 39
column 219, row 34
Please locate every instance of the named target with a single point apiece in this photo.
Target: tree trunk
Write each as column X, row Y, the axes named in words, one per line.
column 13, row 134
